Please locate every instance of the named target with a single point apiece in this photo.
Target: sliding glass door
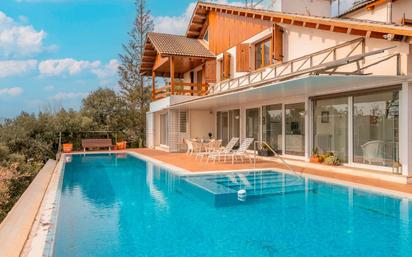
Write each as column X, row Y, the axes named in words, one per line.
column 373, row 132
column 376, row 128
column 228, row 125
column 272, row 126
column 253, row 124
column 295, row 129
column 330, row 126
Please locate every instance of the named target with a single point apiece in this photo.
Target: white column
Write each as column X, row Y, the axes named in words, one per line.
column 405, row 128
column 283, row 129
column 242, row 111
column 308, row 128
column 350, row 130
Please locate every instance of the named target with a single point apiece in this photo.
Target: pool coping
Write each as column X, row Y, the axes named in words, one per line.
column 17, row 226
column 41, row 239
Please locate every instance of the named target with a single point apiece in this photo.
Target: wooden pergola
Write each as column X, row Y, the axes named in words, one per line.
column 170, row 56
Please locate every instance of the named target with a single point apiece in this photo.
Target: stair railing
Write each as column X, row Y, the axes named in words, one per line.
column 290, row 169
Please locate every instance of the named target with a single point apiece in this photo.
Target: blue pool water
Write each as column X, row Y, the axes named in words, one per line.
column 122, row 206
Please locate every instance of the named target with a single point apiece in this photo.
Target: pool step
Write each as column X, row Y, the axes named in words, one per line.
column 222, row 190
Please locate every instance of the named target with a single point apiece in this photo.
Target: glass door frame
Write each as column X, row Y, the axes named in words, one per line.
column 306, row 131
column 227, row 111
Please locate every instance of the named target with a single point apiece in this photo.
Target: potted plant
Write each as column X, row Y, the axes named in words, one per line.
column 265, row 151
column 210, row 135
column 67, row 148
column 332, row 160
column 316, row 157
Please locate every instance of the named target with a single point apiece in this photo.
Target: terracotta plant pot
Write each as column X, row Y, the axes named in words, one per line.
column 67, row 148
column 121, row 145
column 315, row 159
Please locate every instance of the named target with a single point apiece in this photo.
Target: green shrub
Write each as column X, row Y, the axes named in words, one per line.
column 332, row 160
column 4, row 153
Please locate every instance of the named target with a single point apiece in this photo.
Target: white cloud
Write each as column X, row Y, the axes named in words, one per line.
column 66, row 66
column 68, row 95
column 11, row 91
column 12, row 67
column 174, row 24
column 178, row 24
column 19, row 40
column 108, row 70
column 61, row 67
column 49, row 88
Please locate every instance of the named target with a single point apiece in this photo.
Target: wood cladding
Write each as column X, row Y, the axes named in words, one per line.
column 226, row 31
column 210, row 71
column 242, row 58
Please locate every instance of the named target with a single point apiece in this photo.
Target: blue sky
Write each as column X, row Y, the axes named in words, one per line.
column 53, row 52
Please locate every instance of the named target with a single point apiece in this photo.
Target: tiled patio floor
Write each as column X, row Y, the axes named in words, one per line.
column 189, row 163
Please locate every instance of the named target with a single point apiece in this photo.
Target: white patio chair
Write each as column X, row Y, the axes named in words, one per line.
column 222, row 151
column 241, row 152
column 373, row 152
column 192, row 147
column 208, row 148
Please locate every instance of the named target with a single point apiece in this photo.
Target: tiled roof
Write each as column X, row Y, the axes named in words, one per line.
column 356, row 6
column 168, row 44
column 357, row 25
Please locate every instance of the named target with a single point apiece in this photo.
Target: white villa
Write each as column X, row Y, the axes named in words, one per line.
column 296, row 79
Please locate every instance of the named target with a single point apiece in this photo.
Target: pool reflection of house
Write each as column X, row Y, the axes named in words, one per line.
column 295, row 81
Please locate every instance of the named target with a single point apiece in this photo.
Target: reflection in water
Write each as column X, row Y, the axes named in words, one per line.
column 86, row 178
column 154, row 191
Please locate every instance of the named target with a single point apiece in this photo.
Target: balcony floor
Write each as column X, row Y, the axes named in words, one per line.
column 189, row 163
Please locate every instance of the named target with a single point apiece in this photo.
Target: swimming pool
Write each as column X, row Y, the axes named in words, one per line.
column 122, row 206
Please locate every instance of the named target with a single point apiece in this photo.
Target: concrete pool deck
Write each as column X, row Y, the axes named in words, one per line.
column 369, row 178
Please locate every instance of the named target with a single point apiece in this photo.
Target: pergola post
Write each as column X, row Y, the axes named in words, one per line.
column 172, row 75
column 153, row 85
column 201, row 89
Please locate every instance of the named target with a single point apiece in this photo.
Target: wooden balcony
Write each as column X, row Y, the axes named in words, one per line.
column 180, row 88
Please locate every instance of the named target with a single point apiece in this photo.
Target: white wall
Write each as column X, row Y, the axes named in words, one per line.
column 307, row 7
column 298, row 41
column 380, row 12
column 201, row 123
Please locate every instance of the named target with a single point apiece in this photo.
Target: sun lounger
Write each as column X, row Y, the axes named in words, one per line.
column 222, row 152
column 241, row 152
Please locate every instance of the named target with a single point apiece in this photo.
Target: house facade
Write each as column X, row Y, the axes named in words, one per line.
column 295, row 81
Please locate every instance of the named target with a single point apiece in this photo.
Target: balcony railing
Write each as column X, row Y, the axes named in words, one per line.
column 180, row 88
column 334, row 60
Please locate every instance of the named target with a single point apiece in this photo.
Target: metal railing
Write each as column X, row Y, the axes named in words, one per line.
column 326, row 61
column 263, row 143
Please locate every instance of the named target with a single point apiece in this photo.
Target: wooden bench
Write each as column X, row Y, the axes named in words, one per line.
column 97, row 143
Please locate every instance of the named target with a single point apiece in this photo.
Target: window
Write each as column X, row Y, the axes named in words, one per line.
column 183, row 122
column 376, row 128
column 262, row 54
column 206, row 36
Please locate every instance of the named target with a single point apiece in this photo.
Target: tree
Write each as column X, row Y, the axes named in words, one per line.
column 107, row 110
column 134, row 87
